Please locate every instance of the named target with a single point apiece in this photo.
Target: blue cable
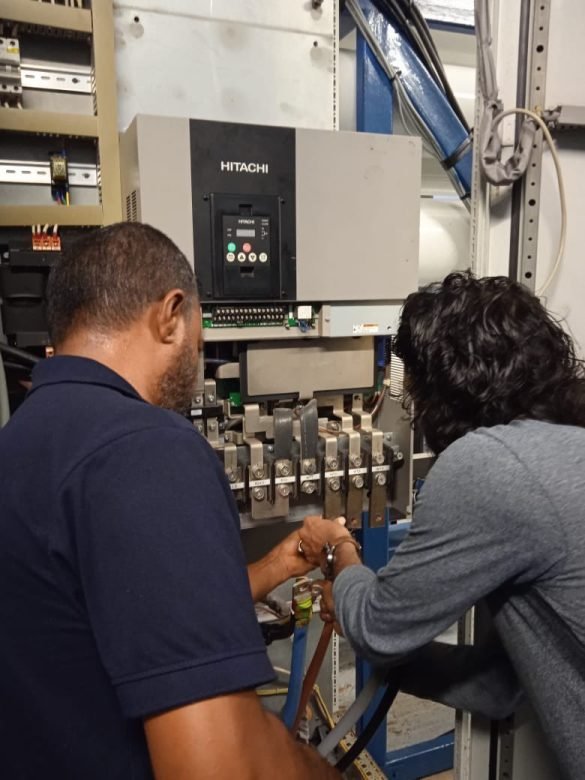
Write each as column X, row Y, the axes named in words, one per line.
column 428, row 100
column 297, row 673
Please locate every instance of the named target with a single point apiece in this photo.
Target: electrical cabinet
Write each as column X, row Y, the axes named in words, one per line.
column 305, row 244
column 271, row 213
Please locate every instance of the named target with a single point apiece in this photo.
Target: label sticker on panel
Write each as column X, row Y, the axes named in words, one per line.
column 366, row 329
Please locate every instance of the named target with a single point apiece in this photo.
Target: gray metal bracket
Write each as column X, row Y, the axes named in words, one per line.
column 333, row 475
column 506, row 749
column 283, row 472
column 310, row 478
column 565, row 117
column 531, row 185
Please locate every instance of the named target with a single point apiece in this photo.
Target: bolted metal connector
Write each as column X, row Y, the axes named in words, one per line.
column 284, row 491
column 283, row 469
column 356, row 461
column 259, row 494
column 258, row 472
column 210, row 398
column 212, row 426
column 357, row 481
column 380, row 479
column 230, row 474
column 379, row 458
column 308, row 488
column 334, row 485
column 198, row 400
column 308, row 467
column 332, row 463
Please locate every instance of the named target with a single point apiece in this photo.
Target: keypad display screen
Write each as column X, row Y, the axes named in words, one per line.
column 246, row 241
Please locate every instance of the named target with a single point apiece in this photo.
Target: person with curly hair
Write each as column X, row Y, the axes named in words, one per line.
column 499, row 395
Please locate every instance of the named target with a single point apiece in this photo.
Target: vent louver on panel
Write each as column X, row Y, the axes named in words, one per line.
column 132, row 207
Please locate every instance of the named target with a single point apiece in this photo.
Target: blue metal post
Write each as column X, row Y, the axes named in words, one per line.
column 374, row 115
column 373, row 93
column 421, row 760
column 374, row 111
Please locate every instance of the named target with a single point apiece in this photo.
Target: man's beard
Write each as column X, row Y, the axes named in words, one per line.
column 177, row 385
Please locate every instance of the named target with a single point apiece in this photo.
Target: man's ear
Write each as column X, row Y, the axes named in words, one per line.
column 169, row 318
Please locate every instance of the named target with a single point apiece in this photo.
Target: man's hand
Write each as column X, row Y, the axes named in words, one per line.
column 281, row 564
column 292, row 561
column 316, row 533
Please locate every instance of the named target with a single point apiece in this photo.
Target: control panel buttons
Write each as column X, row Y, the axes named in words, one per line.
column 242, row 261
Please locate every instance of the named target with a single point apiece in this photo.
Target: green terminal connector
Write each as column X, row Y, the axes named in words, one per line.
column 302, row 601
column 235, row 399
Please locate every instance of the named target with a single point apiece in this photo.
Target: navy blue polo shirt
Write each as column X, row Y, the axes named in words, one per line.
column 123, row 588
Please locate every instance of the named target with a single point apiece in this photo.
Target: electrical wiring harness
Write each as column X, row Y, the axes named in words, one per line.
column 426, row 107
column 496, row 170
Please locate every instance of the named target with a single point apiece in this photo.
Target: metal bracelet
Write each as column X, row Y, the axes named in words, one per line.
column 330, row 550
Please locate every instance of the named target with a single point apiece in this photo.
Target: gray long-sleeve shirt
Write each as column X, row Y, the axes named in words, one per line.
column 501, row 518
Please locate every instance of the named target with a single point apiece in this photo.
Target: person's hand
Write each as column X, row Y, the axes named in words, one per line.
column 327, row 608
column 281, row 564
column 316, row 533
column 290, row 558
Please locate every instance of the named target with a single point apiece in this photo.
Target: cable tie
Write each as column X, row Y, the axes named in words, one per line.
column 452, row 160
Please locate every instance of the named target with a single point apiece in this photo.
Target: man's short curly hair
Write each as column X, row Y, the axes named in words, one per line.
column 484, row 352
column 108, row 278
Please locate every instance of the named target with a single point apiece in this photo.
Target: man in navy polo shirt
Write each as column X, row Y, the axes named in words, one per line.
column 129, row 646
